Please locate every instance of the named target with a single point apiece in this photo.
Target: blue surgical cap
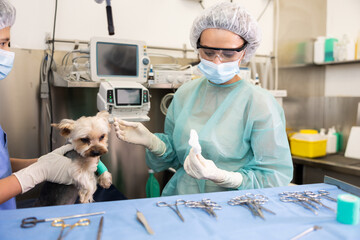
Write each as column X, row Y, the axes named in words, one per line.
column 7, row 14
column 232, row 17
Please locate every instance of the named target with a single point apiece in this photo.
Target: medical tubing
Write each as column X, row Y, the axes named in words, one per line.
column 83, row 56
column 48, row 73
column 165, row 101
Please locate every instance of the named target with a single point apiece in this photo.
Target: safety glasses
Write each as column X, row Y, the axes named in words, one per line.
column 224, row 54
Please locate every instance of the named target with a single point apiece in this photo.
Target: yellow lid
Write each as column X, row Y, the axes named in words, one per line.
column 308, row 131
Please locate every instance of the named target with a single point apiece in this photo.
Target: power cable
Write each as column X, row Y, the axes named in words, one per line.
column 263, row 11
column 50, row 70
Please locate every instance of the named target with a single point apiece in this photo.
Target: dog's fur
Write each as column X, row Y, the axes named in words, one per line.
column 89, row 136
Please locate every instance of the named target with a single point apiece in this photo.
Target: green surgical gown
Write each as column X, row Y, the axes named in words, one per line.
column 241, row 128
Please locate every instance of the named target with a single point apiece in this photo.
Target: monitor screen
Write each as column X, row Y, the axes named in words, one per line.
column 128, row 96
column 115, row 59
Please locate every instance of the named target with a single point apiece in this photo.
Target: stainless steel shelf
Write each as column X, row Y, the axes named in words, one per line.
column 300, row 65
column 163, row 86
column 339, row 63
column 59, row 81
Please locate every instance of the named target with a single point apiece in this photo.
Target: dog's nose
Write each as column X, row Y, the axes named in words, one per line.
column 95, row 153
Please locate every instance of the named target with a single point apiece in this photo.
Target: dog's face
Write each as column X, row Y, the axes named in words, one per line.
column 88, row 135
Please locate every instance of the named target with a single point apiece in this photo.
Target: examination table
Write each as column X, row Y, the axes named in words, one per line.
column 232, row 222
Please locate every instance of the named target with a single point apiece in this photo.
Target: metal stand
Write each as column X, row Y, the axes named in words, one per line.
column 342, row 185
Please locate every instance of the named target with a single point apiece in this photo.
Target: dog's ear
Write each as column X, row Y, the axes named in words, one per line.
column 103, row 114
column 65, row 127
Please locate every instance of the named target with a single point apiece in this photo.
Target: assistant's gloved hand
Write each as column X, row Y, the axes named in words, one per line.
column 52, row 167
column 199, row 167
column 136, row 133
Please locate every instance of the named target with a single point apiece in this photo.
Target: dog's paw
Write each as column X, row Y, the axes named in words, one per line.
column 105, row 179
column 85, row 197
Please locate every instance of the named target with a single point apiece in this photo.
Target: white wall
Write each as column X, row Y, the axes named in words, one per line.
column 158, row 22
column 343, row 18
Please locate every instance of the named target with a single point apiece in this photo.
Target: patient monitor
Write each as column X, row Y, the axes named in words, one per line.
column 121, row 66
column 125, row 100
column 118, row 59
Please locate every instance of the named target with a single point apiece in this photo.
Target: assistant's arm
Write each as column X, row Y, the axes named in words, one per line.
column 20, row 163
column 9, row 188
column 53, row 167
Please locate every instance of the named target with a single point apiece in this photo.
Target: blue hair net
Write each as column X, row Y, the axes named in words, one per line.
column 7, row 14
column 232, row 17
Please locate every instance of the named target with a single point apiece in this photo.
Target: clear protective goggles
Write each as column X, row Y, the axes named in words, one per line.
column 224, row 54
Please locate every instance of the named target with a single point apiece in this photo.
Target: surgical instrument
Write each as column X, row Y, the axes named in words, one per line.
column 141, row 218
column 205, row 204
column 316, row 198
column 296, row 198
column 176, row 209
column 299, row 202
column 63, row 225
column 253, row 203
column 325, row 194
column 314, row 228
column 99, row 233
column 306, row 199
column 32, row 221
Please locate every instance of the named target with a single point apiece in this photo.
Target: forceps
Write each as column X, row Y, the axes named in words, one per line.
column 176, row 209
column 252, row 202
column 206, row 204
column 297, row 199
column 61, row 223
column 325, row 194
column 316, row 199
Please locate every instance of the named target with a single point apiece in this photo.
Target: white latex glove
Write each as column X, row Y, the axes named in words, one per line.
column 52, row 167
column 137, row 133
column 200, row 168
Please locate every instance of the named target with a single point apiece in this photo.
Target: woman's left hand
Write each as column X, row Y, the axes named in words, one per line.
column 200, row 168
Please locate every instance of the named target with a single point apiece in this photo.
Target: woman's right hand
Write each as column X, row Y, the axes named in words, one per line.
column 132, row 132
column 137, row 133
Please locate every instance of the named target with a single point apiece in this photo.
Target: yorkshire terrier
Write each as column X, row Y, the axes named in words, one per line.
column 89, row 137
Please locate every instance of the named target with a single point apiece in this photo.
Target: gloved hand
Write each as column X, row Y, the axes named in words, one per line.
column 199, row 167
column 52, row 167
column 136, row 133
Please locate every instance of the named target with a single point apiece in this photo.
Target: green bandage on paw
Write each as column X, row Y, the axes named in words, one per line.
column 101, row 168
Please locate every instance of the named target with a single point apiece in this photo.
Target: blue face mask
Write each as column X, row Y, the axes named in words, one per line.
column 6, row 63
column 219, row 73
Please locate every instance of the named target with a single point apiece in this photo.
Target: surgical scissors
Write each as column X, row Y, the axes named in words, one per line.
column 176, row 209
column 63, row 225
column 32, row 221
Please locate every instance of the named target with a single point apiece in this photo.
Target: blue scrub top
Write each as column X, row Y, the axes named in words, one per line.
column 5, row 168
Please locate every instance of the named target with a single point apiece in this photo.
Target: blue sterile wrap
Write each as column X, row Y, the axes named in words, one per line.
column 348, row 209
column 101, row 168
